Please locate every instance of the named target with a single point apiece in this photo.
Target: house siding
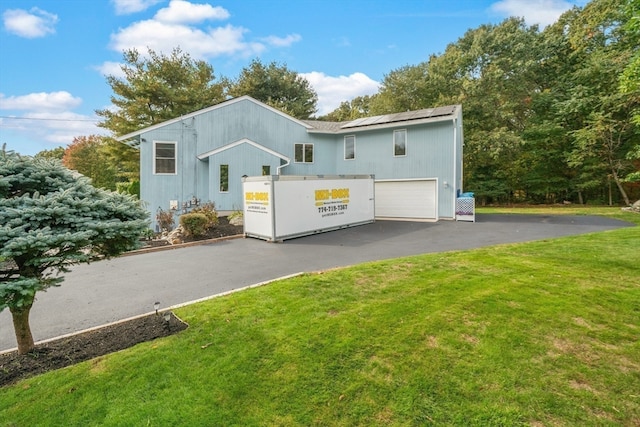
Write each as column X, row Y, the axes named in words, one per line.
column 430, row 154
column 434, row 151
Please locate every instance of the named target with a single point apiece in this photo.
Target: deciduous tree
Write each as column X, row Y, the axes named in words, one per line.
column 54, row 153
column 358, row 107
column 86, row 155
column 588, row 104
column 51, row 219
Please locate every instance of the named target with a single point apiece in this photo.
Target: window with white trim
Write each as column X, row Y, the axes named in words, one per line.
column 303, row 153
column 400, row 142
column 349, row 147
column 164, row 158
column 224, row 178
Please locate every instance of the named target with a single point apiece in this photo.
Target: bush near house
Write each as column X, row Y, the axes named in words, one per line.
column 208, row 210
column 194, row 224
column 165, row 219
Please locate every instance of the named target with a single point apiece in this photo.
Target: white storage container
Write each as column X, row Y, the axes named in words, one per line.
column 280, row 207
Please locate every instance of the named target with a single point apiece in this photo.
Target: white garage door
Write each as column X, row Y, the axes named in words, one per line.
column 407, row 199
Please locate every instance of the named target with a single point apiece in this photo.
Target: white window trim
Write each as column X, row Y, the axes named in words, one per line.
column 304, row 144
column 175, row 150
column 220, row 178
column 406, row 143
column 345, row 147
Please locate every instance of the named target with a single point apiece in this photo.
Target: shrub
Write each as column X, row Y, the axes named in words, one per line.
column 165, row 220
column 129, row 187
column 148, row 234
column 209, row 210
column 194, row 224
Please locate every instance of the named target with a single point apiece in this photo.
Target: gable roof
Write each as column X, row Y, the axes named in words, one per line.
column 130, row 138
column 427, row 115
column 218, row 150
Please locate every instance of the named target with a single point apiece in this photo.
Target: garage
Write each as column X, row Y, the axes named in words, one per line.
column 406, row 199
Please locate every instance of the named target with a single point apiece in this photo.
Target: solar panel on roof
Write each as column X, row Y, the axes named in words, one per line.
column 381, row 119
column 354, row 123
column 400, row 117
column 443, row 111
column 407, row 115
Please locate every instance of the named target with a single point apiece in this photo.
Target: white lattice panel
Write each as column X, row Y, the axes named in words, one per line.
column 466, row 209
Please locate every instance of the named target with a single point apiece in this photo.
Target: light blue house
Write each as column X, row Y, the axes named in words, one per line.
column 416, row 156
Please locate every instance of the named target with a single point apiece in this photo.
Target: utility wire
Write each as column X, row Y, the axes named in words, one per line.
column 50, row 120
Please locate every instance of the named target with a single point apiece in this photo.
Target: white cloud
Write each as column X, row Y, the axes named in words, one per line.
column 64, row 126
column 334, row 90
column 125, row 7
column 30, row 24
column 46, row 117
column 163, row 37
column 541, row 12
column 58, row 128
column 176, row 26
column 181, row 11
column 41, row 101
column 110, row 68
column 282, row 41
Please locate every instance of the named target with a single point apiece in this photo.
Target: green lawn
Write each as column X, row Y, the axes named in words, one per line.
column 545, row 333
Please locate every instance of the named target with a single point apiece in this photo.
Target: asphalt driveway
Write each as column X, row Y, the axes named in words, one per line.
column 112, row 290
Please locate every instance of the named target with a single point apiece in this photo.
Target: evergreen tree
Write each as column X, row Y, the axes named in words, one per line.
column 51, row 219
column 158, row 88
column 277, row 86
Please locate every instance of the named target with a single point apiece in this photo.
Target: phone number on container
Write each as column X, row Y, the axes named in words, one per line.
column 332, row 208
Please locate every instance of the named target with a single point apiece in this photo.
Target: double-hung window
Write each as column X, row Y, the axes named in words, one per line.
column 400, row 142
column 349, row 147
column 303, row 153
column 164, row 158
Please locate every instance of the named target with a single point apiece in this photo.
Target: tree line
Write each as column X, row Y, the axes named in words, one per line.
column 550, row 115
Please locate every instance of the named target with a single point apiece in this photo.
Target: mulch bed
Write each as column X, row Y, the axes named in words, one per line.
column 84, row 346
column 77, row 348
column 223, row 229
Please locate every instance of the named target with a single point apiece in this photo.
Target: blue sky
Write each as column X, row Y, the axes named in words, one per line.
column 55, row 54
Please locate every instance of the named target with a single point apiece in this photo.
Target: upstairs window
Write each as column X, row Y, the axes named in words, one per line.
column 266, row 170
column 349, row 147
column 164, row 158
column 303, row 153
column 400, row 142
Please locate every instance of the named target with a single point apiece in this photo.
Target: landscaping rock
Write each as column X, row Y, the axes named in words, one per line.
column 633, row 208
column 236, row 220
column 176, row 236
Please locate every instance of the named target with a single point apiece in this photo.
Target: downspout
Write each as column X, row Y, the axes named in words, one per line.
column 281, row 166
column 455, row 162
